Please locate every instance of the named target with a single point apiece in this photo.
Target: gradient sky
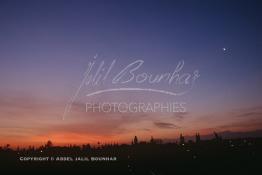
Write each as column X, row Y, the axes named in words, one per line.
column 45, row 47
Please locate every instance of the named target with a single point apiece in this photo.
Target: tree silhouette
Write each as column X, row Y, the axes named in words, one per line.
column 49, row 144
column 197, row 138
column 182, row 139
column 217, row 137
column 152, row 140
column 135, row 140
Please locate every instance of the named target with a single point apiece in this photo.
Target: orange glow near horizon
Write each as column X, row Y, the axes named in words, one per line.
column 25, row 122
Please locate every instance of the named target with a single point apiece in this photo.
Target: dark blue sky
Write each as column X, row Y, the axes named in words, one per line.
column 50, row 40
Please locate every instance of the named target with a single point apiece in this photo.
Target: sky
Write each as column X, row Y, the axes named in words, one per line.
column 46, row 46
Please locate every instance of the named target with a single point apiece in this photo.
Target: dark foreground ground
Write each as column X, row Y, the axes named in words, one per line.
column 237, row 156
